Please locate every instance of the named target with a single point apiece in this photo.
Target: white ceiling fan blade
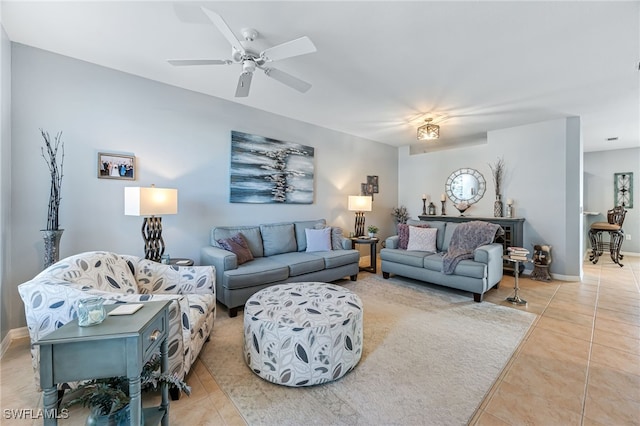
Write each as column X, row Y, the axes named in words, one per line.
column 224, row 29
column 299, row 46
column 185, row 62
column 244, row 84
column 287, row 79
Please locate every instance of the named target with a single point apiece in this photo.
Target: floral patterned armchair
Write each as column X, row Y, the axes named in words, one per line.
column 50, row 299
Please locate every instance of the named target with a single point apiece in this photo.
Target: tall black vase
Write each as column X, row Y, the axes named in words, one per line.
column 51, row 246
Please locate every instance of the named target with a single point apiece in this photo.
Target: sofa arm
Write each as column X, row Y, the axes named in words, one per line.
column 157, row 278
column 491, row 254
column 347, row 244
column 392, row 242
column 221, row 259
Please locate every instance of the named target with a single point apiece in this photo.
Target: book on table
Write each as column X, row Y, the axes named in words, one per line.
column 517, row 257
column 518, row 250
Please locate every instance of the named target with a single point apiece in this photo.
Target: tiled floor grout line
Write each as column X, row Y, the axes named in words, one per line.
column 593, row 331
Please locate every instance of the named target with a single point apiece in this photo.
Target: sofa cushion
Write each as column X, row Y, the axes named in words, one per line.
column 97, row 270
column 299, row 263
column 466, row 268
column 404, row 257
column 336, row 258
column 278, row 238
column 301, row 238
column 238, row 246
column 251, row 235
column 259, row 271
column 403, row 234
column 422, row 239
column 448, row 233
column 439, row 225
column 318, row 239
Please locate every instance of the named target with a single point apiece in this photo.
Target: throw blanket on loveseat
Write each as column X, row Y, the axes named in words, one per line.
column 466, row 238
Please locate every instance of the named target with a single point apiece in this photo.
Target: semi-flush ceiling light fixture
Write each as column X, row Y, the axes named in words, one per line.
column 428, row 131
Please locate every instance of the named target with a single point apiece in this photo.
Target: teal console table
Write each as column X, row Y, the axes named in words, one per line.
column 119, row 346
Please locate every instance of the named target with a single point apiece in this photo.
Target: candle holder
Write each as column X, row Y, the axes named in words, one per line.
column 443, row 211
column 424, row 206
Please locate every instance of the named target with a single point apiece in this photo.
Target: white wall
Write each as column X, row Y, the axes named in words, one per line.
column 599, row 168
column 181, row 139
column 539, row 178
column 7, row 292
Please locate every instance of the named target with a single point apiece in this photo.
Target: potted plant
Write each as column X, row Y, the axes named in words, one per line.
column 53, row 154
column 401, row 214
column 372, row 230
column 108, row 398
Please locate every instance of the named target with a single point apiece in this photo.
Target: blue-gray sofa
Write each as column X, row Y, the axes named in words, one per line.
column 477, row 275
column 279, row 256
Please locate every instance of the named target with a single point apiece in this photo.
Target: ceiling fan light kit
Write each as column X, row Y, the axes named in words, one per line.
column 428, row 131
column 251, row 60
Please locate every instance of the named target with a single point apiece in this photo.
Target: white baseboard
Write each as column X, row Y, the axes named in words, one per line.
column 15, row 333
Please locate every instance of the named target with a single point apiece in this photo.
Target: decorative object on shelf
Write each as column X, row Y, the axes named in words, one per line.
column 372, row 230
column 53, row 154
column 623, row 183
column 265, row 170
column 401, row 214
column 462, row 207
column 509, row 208
column 465, row 185
column 151, row 203
column 359, row 204
column 443, row 201
column 116, row 166
column 428, row 131
column 541, row 262
column 90, row 311
column 108, row 398
column 432, row 208
column 497, row 171
column 497, row 206
column 424, row 203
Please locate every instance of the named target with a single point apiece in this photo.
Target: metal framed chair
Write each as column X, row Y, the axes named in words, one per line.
column 613, row 226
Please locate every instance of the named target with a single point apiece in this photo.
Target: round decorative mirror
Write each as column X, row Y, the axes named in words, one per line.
column 466, row 185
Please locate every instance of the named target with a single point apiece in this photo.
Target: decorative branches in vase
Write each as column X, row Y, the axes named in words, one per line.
column 497, row 170
column 53, row 154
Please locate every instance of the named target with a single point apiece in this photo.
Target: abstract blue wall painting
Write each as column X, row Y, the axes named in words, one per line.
column 265, row 170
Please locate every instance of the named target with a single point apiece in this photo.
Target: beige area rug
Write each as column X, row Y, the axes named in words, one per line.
column 430, row 356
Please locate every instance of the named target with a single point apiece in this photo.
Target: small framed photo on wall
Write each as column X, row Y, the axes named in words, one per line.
column 116, row 166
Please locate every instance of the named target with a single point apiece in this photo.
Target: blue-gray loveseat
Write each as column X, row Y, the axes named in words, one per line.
column 279, row 252
column 477, row 275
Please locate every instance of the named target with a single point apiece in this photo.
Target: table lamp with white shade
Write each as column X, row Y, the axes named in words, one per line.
column 151, row 203
column 359, row 204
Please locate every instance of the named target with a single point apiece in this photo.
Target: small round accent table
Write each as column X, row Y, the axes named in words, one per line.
column 302, row 334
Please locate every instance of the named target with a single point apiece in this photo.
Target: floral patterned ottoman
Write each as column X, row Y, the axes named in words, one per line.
column 302, row 334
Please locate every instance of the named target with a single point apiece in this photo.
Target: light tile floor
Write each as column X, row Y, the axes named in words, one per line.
column 578, row 365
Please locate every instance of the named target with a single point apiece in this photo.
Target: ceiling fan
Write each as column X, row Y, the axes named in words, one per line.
column 251, row 60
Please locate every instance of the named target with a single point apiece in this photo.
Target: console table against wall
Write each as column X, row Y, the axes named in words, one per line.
column 513, row 231
column 119, row 346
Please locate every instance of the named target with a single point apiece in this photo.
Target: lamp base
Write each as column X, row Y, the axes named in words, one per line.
column 359, row 224
column 152, row 236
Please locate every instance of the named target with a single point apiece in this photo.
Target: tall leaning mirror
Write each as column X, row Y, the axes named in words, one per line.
column 465, row 185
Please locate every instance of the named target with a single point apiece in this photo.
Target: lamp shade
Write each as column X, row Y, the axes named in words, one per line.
column 359, row 203
column 150, row 201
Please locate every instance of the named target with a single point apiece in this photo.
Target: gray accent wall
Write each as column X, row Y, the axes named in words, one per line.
column 181, row 139
column 7, row 291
